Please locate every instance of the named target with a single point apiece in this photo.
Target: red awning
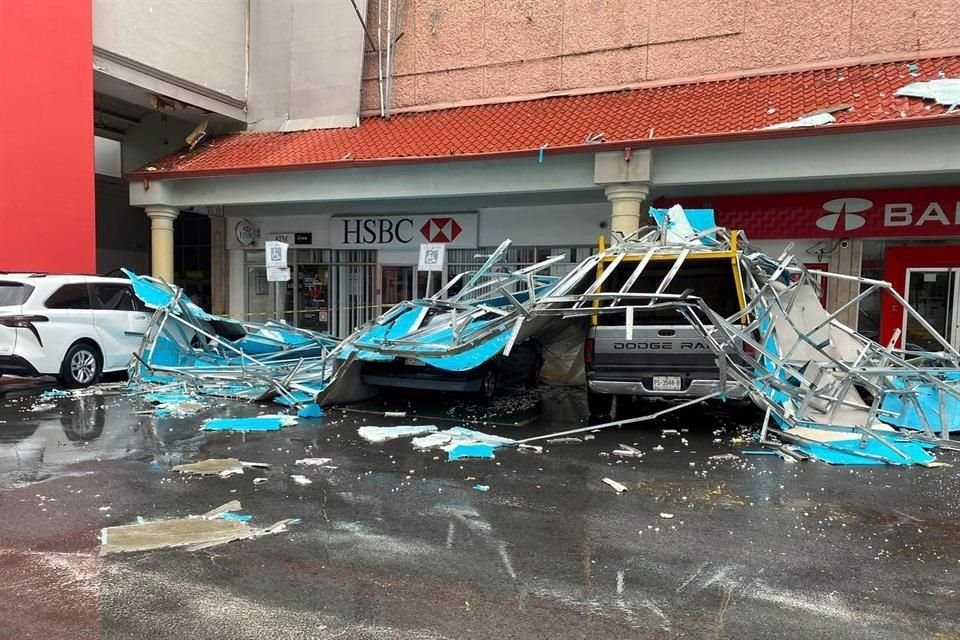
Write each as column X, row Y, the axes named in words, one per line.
column 697, row 112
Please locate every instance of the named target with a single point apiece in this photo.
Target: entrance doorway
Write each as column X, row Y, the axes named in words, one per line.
column 929, row 280
column 933, row 293
column 397, row 284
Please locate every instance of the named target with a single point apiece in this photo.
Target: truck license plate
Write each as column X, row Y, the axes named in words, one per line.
column 666, row 383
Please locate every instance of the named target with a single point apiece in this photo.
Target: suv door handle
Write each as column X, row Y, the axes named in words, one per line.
column 666, row 332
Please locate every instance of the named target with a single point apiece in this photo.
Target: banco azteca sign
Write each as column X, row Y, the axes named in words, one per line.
column 881, row 213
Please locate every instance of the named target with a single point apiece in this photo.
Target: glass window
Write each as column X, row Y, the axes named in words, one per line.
column 69, row 296
column 14, row 293
column 114, row 297
column 712, row 280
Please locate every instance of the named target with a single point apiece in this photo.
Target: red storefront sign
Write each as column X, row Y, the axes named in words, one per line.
column 879, row 213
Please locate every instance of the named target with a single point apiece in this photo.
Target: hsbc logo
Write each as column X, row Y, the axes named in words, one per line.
column 404, row 231
column 440, row 230
column 844, row 214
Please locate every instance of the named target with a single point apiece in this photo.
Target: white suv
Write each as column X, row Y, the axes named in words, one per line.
column 72, row 327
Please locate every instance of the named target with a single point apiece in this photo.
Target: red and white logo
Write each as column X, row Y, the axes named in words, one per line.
column 440, row 230
column 843, row 214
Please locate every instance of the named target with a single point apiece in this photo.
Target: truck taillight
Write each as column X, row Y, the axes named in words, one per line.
column 24, row 322
column 588, row 351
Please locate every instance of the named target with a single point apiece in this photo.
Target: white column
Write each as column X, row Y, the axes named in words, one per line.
column 161, row 240
column 626, row 200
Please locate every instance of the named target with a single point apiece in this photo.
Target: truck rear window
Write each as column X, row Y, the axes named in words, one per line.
column 14, row 293
column 710, row 279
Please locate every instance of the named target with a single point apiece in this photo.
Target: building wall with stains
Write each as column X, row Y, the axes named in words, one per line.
column 461, row 50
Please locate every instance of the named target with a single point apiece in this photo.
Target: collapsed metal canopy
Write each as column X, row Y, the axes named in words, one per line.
column 837, row 395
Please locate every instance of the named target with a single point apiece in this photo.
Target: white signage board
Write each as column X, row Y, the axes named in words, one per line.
column 276, row 253
column 459, row 230
column 278, row 274
column 433, row 257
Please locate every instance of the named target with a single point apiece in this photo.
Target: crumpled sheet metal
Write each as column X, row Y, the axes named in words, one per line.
column 832, row 392
column 189, row 351
column 217, row 356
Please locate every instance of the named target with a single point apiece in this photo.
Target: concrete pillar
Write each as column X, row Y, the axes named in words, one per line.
column 845, row 259
column 625, row 178
column 626, row 200
column 161, row 240
column 219, row 267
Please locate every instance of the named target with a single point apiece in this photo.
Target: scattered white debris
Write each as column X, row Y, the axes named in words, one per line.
column 659, row 447
column 315, row 462
column 626, row 451
column 945, row 91
column 565, row 441
column 259, row 480
column 725, row 456
column 619, row 488
column 815, row 120
column 395, row 414
column 666, row 516
column 383, row 434
column 299, row 479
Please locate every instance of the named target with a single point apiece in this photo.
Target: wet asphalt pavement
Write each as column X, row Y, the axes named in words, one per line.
column 396, row 543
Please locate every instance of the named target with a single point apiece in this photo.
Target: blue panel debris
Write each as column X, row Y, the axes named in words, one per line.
column 259, row 423
column 482, row 487
column 850, row 452
column 310, row 411
column 240, row 517
column 903, row 413
column 481, row 450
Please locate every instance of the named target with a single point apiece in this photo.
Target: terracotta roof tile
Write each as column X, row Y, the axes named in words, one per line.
column 648, row 116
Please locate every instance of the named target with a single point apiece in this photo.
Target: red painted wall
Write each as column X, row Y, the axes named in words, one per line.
column 47, row 214
column 896, row 261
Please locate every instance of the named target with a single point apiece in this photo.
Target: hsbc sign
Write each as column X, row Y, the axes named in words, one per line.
column 371, row 232
column 883, row 213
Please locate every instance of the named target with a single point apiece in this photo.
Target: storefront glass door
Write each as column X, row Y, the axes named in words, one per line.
column 933, row 293
column 397, row 284
column 313, row 297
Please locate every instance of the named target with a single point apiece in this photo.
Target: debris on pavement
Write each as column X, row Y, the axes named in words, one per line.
column 626, row 451
column 619, row 488
column 310, row 411
column 482, row 450
column 192, row 532
column 384, row 434
column 666, row 516
column 482, row 487
column 315, row 462
column 565, row 441
column 223, row 467
column 258, row 423
column 301, row 479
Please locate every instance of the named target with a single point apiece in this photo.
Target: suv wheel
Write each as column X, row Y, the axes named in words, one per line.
column 488, row 385
column 81, row 366
column 599, row 404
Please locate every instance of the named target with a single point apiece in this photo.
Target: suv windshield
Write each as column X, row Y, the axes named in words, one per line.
column 14, row 293
column 711, row 279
